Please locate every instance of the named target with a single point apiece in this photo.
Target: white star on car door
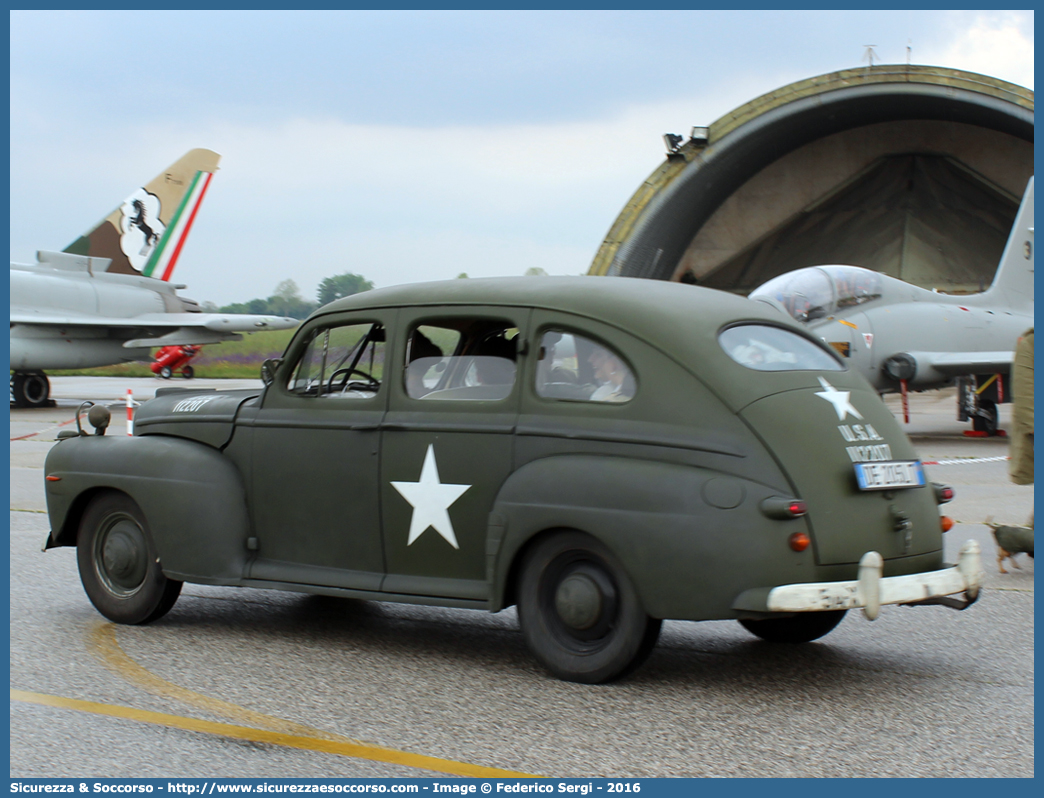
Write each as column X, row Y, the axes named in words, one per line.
column 431, row 501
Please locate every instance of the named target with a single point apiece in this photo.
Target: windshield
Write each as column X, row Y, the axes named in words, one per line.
column 816, row 292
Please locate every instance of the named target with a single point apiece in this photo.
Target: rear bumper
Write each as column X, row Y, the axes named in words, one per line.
column 870, row 590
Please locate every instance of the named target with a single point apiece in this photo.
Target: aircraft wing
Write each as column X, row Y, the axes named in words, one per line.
column 161, row 329
column 956, row 364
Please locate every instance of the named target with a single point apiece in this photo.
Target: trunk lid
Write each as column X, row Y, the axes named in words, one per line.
column 818, row 434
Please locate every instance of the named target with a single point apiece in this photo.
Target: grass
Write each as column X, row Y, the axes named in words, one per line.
column 231, row 359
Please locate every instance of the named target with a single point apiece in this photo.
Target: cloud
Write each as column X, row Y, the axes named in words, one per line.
column 313, row 197
column 999, row 44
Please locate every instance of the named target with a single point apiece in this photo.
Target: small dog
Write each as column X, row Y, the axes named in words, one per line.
column 1011, row 540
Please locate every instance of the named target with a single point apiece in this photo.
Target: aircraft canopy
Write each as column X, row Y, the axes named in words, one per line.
column 819, row 291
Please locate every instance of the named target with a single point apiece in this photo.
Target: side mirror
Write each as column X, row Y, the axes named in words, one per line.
column 269, row 368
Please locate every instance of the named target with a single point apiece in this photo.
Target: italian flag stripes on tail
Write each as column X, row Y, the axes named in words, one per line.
column 165, row 256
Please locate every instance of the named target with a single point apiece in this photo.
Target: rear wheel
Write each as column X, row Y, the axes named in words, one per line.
column 188, row 372
column 165, row 372
column 119, row 568
column 579, row 612
column 801, row 627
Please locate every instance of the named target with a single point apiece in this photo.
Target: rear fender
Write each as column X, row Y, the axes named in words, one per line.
column 685, row 535
column 191, row 494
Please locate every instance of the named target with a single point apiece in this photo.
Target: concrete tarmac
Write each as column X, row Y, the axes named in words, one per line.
column 918, row 692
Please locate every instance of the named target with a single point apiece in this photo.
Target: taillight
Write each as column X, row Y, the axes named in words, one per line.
column 783, row 508
column 943, row 493
column 946, row 523
column 799, row 541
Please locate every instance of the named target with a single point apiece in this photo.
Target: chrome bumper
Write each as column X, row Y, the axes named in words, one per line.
column 870, row 590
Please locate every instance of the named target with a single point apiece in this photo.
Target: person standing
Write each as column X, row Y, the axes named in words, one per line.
column 1021, row 466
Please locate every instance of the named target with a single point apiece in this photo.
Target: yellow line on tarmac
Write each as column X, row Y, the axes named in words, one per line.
column 353, row 750
column 101, row 641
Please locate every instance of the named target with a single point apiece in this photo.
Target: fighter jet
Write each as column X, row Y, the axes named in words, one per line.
column 901, row 337
column 107, row 297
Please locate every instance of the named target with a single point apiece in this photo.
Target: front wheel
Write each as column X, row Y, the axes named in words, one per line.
column 802, row 627
column 188, row 372
column 166, row 372
column 30, row 389
column 579, row 612
column 119, row 568
column 986, row 417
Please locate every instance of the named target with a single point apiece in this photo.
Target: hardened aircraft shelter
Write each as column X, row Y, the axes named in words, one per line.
column 914, row 171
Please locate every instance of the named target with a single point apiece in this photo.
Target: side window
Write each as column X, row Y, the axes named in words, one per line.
column 428, row 352
column 576, row 368
column 462, row 359
column 346, row 361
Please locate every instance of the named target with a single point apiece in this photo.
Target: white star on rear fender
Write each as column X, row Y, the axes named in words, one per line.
column 431, row 501
column 839, row 399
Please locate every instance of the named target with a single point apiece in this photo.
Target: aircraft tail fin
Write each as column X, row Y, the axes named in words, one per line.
column 146, row 233
column 1014, row 278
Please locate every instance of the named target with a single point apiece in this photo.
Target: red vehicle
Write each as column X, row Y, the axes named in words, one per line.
column 174, row 358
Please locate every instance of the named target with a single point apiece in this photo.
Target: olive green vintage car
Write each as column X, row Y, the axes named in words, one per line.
column 602, row 453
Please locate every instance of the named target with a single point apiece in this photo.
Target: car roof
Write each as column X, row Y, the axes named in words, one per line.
column 682, row 321
column 660, row 312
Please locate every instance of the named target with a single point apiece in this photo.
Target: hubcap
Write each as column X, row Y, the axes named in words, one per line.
column 121, row 556
column 578, row 601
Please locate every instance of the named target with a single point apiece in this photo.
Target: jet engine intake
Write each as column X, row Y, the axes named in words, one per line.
column 916, row 368
column 901, row 367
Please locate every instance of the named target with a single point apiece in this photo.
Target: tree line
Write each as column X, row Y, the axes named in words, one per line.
column 286, row 300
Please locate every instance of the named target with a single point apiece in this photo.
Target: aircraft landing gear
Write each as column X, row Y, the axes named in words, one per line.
column 985, row 418
column 30, row 389
column 979, row 404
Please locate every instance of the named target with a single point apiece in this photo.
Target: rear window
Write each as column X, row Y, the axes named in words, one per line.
column 765, row 348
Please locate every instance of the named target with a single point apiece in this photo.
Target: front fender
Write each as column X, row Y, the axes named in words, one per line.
column 191, row 494
column 689, row 537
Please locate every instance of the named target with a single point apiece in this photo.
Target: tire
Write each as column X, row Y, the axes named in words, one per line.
column 165, row 372
column 30, row 389
column 802, row 627
column 985, row 418
column 188, row 372
column 119, row 568
column 580, row 614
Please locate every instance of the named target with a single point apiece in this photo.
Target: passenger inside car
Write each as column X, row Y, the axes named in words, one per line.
column 575, row 368
column 611, row 376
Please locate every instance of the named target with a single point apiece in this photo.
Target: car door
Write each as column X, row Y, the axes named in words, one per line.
column 315, row 457
column 447, row 446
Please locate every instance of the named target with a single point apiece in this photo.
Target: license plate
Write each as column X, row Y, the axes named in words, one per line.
column 895, row 474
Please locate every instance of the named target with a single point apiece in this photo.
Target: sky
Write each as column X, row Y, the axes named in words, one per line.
column 411, row 145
